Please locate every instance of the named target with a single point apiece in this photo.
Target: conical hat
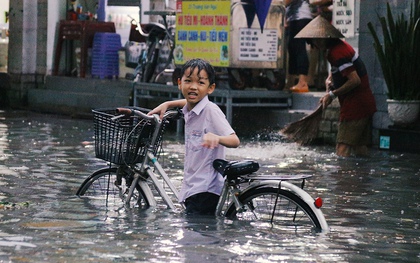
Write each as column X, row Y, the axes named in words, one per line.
column 319, row 27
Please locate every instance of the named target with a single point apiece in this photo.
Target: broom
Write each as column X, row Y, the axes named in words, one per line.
column 304, row 130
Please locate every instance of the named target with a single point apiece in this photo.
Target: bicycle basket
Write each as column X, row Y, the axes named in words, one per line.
column 121, row 141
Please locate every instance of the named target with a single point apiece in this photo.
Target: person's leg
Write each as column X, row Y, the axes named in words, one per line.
column 201, row 204
column 365, row 138
column 353, row 137
column 343, row 150
column 302, row 85
column 314, row 65
column 298, row 60
column 299, row 64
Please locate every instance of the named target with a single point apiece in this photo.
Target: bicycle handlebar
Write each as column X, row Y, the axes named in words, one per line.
column 127, row 112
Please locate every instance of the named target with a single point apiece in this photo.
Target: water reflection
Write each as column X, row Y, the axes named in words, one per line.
column 371, row 204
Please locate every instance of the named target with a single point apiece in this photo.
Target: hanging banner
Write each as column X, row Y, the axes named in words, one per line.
column 202, row 31
column 344, row 17
column 250, row 11
column 262, row 7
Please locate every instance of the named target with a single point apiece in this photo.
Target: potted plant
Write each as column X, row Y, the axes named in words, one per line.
column 399, row 57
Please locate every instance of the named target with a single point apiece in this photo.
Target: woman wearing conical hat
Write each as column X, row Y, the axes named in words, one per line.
column 348, row 80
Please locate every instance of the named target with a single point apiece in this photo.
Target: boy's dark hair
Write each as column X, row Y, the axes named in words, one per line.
column 200, row 64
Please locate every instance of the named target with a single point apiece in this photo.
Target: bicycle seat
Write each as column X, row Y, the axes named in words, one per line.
column 235, row 168
column 154, row 29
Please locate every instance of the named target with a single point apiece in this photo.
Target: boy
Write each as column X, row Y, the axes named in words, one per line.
column 207, row 133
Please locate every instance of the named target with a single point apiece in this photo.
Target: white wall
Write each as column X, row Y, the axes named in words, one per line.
column 56, row 11
column 4, row 7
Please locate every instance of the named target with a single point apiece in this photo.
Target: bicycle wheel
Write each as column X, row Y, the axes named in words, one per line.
column 278, row 208
column 101, row 188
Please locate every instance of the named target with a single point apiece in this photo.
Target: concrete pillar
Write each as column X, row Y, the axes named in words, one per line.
column 15, row 37
column 27, row 48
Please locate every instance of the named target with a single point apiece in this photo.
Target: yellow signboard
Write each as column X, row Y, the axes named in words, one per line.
column 202, row 31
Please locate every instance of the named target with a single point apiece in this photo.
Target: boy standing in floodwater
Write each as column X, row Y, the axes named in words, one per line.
column 207, row 133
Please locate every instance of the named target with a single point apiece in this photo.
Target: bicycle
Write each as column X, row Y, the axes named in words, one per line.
column 131, row 145
column 157, row 57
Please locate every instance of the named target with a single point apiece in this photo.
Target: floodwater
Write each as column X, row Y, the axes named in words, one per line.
column 372, row 204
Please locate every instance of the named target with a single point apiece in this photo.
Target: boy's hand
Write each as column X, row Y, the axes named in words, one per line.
column 161, row 109
column 210, row 140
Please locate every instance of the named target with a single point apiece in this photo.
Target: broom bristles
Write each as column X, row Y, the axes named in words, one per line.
column 304, row 130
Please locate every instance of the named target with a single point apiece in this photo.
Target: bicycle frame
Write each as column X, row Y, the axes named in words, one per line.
column 146, row 169
column 159, row 186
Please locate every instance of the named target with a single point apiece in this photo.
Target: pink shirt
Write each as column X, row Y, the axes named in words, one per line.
column 199, row 174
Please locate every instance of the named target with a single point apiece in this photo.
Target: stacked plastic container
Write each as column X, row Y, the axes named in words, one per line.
column 105, row 59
